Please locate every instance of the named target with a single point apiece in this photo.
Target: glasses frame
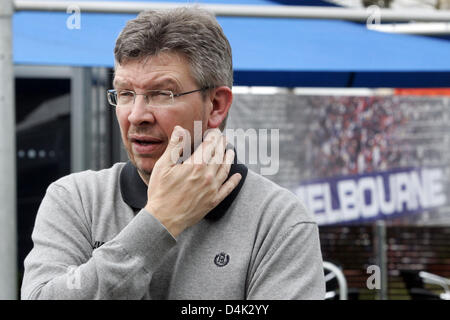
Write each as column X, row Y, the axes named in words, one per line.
column 170, row 93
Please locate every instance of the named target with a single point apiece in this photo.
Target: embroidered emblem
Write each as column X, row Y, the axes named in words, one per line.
column 221, row 259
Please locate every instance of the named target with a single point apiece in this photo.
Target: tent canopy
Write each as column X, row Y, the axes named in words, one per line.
column 266, row 51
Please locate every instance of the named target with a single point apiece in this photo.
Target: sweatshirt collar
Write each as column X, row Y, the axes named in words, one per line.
column 134, row 190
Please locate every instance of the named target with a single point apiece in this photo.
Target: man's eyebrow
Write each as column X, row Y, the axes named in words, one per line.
column 120, row 83
column 164, row 84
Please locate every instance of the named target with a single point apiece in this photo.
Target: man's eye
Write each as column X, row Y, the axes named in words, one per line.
column 159, row 94
column 126, row 94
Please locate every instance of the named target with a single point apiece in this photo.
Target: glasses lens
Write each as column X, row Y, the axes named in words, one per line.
column 125, row 97
column 160, row 98
column 112, row 97
column 156, row 98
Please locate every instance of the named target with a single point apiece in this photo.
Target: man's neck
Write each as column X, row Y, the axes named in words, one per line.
column 144, row 176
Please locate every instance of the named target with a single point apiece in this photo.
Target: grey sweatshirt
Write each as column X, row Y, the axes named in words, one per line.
column 93, row 240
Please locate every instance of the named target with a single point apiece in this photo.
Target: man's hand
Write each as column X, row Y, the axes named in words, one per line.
column 181, row 194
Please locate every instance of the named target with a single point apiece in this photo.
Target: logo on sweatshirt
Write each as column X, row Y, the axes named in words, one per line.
column 221, row 259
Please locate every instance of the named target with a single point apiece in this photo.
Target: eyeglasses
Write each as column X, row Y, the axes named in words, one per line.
column 155, row 98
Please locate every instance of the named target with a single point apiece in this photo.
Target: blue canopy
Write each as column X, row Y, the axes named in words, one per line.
column 266, row 51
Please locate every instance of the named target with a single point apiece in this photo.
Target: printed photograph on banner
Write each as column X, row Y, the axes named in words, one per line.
column 356, row 159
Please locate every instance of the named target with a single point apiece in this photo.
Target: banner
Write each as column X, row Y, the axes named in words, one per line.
column 352, row 159
column 374, row 196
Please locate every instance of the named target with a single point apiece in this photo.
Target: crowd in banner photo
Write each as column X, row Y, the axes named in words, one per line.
column 354, row 135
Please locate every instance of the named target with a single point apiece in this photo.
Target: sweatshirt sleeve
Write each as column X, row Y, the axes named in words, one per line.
column 63, row 264
column 292, row 269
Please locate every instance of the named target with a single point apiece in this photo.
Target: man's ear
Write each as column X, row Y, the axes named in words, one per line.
column 221, row 99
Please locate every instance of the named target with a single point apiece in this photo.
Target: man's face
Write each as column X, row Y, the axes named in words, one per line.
column 154, row 125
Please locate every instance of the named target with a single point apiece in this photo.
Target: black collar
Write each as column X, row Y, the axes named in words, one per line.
column 134, row 190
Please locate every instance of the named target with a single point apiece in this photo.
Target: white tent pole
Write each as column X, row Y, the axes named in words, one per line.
column 8, row 231
column 418, row 28
column 305, row 12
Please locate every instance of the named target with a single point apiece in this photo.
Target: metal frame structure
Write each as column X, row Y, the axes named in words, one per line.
column 305, row 12
column 337, row 273
column 8, row 237
column 80, row 109
column 381, row 253
column 444, row 283
column 417, row 28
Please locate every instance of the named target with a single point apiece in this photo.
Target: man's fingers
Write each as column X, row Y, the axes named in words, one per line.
column 206, row 150
column 219, row 151
column 175, row 146
column 211, row 141
column 224, row 169
column 228, row 187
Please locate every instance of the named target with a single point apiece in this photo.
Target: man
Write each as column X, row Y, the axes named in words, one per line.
column 169, row 224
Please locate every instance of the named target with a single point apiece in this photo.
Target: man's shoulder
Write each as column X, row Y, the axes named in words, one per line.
column 262, row 187
column 103, row 178
column 265, row 195
column 264, row 182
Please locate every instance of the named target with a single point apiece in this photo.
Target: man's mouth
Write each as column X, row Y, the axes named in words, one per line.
column 145, row 144
column 145, row 140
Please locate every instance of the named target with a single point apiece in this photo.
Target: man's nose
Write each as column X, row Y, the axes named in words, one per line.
column 141, row 112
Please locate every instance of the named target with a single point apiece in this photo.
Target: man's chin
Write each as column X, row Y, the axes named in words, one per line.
column 144, row 165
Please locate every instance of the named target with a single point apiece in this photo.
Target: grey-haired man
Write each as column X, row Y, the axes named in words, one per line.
column 157, row 227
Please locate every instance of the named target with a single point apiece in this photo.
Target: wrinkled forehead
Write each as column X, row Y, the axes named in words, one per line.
column 154, row 67
column 163, row 57
column 159, row 83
